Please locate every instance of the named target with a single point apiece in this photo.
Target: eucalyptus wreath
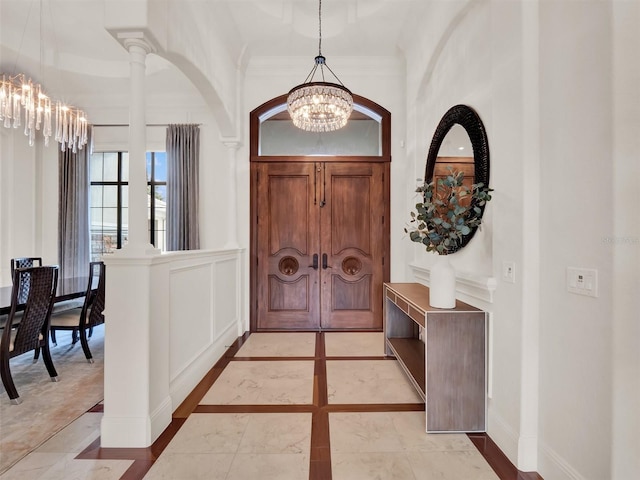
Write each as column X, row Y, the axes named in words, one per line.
column 449, row 212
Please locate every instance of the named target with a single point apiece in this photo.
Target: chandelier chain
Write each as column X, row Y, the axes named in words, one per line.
column 24, row 32
column 41, row 52
column 320, row 27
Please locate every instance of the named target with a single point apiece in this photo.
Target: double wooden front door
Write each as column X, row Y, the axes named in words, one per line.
column 320, row 244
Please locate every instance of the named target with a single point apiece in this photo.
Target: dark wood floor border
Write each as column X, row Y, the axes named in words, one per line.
column 320, row 455
column 498, row 460
column 293, row 408
column 143, row 458
column 95, row 452
column 374, row 407
column 137, row 470
column 97, row 408
column 272, row 359
column 372, row 357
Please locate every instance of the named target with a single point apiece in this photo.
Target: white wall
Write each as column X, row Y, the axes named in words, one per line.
column 456, row 72
column 563, row 163
column 476, row 60
column 20, row 180
column 625, row 242
column 576, row 178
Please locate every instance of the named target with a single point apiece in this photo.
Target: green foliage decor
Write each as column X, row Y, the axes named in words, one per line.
column 448, row 213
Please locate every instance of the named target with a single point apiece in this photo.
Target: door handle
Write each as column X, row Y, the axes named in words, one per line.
column 324, row 261
column 315, row 261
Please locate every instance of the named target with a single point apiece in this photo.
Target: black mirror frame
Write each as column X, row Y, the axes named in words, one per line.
column 471, row 122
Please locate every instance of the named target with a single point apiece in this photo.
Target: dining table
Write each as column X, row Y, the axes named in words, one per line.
column 67, row 289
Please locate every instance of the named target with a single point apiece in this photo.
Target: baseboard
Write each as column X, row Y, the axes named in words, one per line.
column 125, row 432
column 160, row 418
column 501, row 465
column 503, row 435
column 506, row 440
column 184, row 384
column 555, row 466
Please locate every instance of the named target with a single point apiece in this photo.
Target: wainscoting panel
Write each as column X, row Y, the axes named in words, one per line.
column 204, row 293
column 191, row 326
column 226, row 291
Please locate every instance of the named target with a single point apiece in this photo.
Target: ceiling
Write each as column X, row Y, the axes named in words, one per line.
column 349, row 27
column 75, row 44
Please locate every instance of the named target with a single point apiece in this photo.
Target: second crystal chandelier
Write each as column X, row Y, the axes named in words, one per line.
column 22, row 100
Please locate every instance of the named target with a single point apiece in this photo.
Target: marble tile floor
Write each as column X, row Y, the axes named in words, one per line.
column 285, row 406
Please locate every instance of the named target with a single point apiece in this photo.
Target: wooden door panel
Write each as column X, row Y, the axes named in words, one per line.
column 287, row 239
column 353, row 232
column 443, row 168
column 289, row 295
column 354, row 295
column 287, row 203
column 350, row 228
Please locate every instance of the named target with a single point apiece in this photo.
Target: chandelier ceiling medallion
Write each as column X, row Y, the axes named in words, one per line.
column 320, row 106
column 23, row 101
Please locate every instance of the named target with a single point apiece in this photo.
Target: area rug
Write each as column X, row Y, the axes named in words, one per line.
column 47, row 407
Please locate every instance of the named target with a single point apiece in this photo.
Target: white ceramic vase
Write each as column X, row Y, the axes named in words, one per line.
column 442, row 288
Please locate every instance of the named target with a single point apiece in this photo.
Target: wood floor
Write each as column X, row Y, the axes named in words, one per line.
column 320, row 464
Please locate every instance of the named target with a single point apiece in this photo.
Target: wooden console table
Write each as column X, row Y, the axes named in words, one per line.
column 443, row 352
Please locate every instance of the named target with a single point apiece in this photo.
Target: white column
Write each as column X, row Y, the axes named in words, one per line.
column 138, row 240
column 232, row 212
column 137, row 405
column 528, row 442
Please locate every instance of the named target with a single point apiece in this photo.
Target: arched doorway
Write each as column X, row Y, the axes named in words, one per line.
column 319, row 220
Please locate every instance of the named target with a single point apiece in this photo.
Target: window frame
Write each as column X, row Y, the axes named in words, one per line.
column 152, row 183
column 119, row 183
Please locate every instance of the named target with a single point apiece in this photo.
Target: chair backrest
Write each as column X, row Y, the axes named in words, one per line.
column 95, row 294
column 24, row 262
column 34, row 323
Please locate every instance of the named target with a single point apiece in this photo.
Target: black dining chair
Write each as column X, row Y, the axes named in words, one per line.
column 79, row 320
column 24, row 262
column 28, row 330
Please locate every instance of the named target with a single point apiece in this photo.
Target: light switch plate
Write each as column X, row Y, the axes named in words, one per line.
column 509, row 272
column 582, row 281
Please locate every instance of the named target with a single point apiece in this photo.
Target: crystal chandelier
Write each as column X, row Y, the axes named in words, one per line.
column 23, row 101
column 320, row 106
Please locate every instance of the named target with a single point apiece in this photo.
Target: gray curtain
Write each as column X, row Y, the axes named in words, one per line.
column 73, row 211
column 183, row 158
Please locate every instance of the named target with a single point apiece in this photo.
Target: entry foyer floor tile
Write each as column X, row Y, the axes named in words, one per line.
column 393, row 445
column 354, row 344
column 238, row 446
column 368, row 381
column 275, row 344
column 263, row 383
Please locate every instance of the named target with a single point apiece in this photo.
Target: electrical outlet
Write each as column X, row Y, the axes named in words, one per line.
column 582, row 281
column 509, row 272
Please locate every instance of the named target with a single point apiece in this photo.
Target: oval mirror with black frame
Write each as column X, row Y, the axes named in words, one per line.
column 447, row 151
